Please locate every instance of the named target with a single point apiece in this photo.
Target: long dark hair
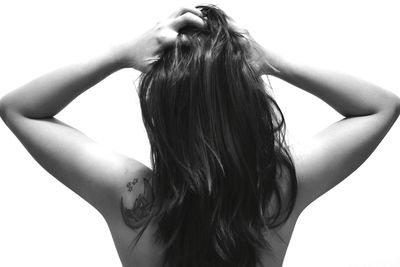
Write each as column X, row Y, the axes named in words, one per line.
column 218, row 150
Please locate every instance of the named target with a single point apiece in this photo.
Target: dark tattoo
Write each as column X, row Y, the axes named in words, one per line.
column 142, row 205
column 131, row 184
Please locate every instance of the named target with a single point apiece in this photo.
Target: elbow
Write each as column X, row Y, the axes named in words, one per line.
column 392, row 105
column 392, row 108
column 3, row 108
column 397, row 105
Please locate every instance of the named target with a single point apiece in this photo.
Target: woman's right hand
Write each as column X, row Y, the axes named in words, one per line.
column 139, row 53
column 263, row 61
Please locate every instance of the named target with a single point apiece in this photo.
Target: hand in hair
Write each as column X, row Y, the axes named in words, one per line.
column 260, row 58
column 140, row 52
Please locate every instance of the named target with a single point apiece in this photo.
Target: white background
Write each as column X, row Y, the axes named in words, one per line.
column 45, row 224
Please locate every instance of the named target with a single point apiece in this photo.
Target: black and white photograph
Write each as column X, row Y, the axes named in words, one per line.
column 199, row 134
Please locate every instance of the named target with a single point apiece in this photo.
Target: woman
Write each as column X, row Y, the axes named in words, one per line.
column 225, row 189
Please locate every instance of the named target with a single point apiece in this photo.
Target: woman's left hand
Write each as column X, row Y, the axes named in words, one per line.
column 140, row 52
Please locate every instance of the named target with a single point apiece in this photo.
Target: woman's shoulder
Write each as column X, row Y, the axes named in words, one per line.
column 133, row 192
column 134, row 202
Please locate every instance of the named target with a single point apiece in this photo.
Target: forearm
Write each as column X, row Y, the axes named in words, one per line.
column 47, row 95
column 347, row 94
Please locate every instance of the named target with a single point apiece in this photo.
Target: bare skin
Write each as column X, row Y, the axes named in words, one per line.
column 148, row 254
column 107, row 180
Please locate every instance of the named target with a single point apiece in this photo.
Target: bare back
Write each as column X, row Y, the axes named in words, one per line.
column 148, row 253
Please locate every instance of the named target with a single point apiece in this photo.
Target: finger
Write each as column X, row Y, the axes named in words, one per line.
column 187, row 19
column 184, row 10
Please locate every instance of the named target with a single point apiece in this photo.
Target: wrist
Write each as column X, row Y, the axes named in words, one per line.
column 284, row 69
column 118, row 55
column 273, row 64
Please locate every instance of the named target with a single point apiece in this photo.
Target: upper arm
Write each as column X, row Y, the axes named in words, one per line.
column 94, row 172
column 334, row 153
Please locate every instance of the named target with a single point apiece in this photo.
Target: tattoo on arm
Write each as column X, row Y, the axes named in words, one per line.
column 142, row 204
column 131, row 184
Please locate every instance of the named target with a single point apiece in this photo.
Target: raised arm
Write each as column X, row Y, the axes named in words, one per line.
column 334, row 153
column 337, row 151
column 90, row 170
